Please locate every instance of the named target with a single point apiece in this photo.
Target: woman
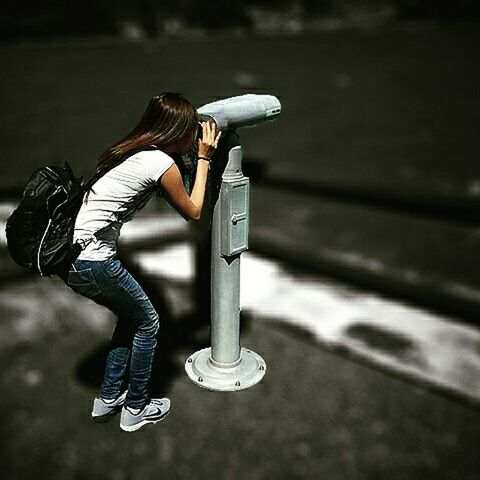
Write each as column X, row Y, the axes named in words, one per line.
column 140, row 161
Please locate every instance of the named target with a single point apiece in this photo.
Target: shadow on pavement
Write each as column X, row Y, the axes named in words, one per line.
column 173, row 333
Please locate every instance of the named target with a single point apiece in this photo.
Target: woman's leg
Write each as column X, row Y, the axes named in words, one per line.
column 136, row 330
column 115, row 288
column 143, row 349
column 117, row 359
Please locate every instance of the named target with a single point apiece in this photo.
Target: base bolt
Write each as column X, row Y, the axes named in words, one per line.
column 237, row 383
column 200, row 379
column 190, row 360
column 261, row 367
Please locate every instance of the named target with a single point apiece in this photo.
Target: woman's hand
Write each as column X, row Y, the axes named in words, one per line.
column 209, row 141
column 190, row 207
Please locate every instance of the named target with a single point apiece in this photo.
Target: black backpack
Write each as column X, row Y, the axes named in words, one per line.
column 40, row 230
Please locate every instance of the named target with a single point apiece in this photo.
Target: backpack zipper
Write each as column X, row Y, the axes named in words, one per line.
column 40, row 247
column 48, row 226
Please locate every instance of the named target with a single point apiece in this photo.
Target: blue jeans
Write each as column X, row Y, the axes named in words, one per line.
column 109, row 284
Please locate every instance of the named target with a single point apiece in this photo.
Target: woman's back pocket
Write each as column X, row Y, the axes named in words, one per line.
column 83, row 282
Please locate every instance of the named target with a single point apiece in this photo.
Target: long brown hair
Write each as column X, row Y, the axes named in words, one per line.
column 168, row 119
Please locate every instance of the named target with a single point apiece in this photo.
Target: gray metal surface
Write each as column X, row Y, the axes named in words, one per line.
column 248, row 371
column 242, row 111
column 234, row 206
column 225, row 366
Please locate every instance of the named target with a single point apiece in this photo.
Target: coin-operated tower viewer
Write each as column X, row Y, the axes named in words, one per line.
column 226, row 366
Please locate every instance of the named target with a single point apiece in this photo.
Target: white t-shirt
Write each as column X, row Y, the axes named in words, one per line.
column 114, row 194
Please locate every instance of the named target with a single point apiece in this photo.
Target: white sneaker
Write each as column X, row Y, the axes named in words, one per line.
column 153, row 412
column 105, row 410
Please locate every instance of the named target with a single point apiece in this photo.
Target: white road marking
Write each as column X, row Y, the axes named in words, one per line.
column 440, row 351
column 6, row 210
column 152, row 226
column 32, row 309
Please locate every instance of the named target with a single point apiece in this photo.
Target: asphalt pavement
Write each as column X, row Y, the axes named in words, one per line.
column 385, row 119
column 390, row 392
column 319, row 412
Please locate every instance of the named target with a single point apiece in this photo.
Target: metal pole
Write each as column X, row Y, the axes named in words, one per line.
column 225, row 366
column 225, row 336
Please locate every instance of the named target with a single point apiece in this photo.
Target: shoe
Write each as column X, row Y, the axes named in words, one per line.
column 153, row 412
column 104, row 410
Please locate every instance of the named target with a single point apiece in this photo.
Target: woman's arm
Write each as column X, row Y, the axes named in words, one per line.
column 190, row 207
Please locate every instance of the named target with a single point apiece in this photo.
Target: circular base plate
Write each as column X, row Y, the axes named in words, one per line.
column 247, row 373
